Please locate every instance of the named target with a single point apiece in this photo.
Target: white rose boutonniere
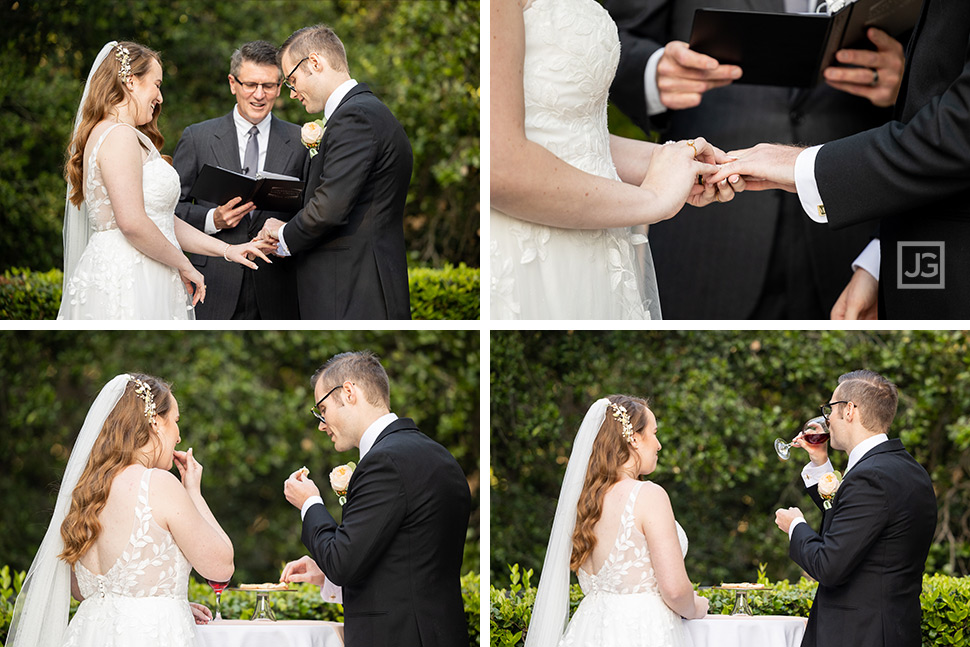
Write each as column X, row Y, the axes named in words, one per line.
column 828, row 485
column 340, row 480
column 311, row 134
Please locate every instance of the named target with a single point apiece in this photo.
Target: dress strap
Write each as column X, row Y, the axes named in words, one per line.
column 142, row 139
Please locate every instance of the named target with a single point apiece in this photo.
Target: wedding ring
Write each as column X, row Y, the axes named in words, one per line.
column 690, row 142
column 875, row 78
column 717, row 197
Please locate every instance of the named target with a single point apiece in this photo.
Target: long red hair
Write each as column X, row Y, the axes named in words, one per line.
column 125, row 431
column 610, row 452
column 105, row 93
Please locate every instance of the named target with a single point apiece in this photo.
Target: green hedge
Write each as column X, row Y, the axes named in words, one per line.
column 447, row 293
column 945, row 602
column 305, row 604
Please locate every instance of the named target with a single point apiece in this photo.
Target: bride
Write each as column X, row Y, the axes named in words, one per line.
column 125, row 533
column 567, row 196
column 620, row 536
column 122, row 247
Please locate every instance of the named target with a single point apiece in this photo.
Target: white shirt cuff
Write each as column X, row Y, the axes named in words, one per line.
column 869, row 259
column 282, row 249
column 654, row 105
column 795, row 522
column 332, row 593
column 313, row 500
column 812, row 473
column 807, row 186
column 210, row 223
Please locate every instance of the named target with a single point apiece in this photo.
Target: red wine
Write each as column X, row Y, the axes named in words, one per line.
column 218, row 587
column 815, row 439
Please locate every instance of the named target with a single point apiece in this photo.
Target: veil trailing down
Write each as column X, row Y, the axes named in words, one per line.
column 41, row 612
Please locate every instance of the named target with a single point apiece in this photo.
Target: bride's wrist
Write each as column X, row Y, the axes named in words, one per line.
column 225, row 252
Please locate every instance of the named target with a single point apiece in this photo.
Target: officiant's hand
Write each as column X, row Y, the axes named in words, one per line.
column 227, row 216
column 859, row 299
column 303, row 570
column 297, row 489
column 878, row 74
column 684, row 75
column 271, row 229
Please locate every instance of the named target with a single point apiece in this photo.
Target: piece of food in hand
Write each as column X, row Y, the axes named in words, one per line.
column 742, row 585
column 302, row 473
column 270, row 586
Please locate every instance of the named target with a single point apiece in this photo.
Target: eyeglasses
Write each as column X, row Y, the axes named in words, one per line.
column 826, row 409
column 316, row 408
column 248, row 86
column 286, row 79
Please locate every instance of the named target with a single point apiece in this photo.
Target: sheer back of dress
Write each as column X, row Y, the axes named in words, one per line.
column 150, row 564
column 627, row 568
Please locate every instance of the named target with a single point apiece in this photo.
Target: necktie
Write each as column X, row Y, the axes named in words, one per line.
column 251, row 163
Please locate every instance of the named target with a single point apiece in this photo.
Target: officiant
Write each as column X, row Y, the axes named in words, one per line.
column 250, row 140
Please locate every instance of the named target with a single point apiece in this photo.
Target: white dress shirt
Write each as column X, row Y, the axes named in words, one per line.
column 812, row 473
column 242, row 140
column 330, row 592
column 335, row 98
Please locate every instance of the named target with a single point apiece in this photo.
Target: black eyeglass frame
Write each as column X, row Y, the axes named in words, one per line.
column 255, row 85
column 286, row 79
column 315, row 410
column 829, row 407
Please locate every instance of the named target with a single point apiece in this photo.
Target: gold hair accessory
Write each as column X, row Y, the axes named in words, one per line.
column 620, row 415
column 143, row 391
column 124, row 57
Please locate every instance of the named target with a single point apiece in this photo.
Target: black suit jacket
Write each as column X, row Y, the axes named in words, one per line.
column 712, row 263
column 349, row 238
column 398, row 549
column 870, row 555
column 913, row 174
column 215, row 142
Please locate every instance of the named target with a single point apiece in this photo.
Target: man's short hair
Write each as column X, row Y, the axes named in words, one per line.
column 875, row 396
column 360, row 367
column 320, row 39
column 258, row 51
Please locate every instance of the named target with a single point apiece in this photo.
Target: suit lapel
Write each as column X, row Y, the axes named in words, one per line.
column 277, row 151
column 225, row 146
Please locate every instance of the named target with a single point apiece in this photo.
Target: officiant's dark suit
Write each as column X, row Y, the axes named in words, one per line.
column 215, row 142
column 757, row 256
column 397, row 552
column 870, row 554
column 913, row 175
column 349, row 238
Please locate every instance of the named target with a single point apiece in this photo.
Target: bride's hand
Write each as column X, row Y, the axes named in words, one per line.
column 194, row 283
column 673, row 172
column 200, row 613
column 243, row 252
column 702, row 195
column 190, row 469
column 701, row 605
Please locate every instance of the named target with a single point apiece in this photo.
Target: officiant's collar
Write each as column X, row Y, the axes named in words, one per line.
column 338, row 96
column 371, row 433
column 863, row 448
column 243, row 125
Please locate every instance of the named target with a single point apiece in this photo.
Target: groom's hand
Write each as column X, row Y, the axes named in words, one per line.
column 784, row 517
column 271, row 229
column 303, row 570
column 297, row 490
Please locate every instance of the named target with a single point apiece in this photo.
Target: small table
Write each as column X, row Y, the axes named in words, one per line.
column 282, row 633
column 747, row 631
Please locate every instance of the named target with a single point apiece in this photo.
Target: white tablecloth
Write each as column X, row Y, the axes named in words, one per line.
column 282, row 633
column 747, row 631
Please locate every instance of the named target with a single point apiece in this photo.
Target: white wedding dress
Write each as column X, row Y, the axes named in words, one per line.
column 622, row 603
column 142, row 599
column 540, row 272
column 113, row 280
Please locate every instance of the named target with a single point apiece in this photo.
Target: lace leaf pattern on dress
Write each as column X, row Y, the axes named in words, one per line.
column 151, row 565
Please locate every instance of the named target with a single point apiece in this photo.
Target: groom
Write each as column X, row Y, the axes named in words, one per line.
column 869, row 556
column 397, row 552
column 349, row 238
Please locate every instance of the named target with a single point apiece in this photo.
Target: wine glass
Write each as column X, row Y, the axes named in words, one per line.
column 815, row 432
column 218, row 587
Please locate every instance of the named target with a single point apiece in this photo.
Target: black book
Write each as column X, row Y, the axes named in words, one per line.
column 793, row 49
column 268, row 191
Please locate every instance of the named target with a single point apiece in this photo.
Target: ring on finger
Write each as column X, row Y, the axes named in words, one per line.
column 690, row 142
column 875, row 78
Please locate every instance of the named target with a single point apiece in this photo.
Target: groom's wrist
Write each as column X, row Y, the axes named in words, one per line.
column 313, row 500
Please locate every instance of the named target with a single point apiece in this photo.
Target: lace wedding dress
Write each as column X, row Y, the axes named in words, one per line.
column 142, row 599
column 622, row 603
column 540, row 272
column 113, row 280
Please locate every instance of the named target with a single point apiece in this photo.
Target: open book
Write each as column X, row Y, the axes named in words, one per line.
column 793, row 49
column 268, row 191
